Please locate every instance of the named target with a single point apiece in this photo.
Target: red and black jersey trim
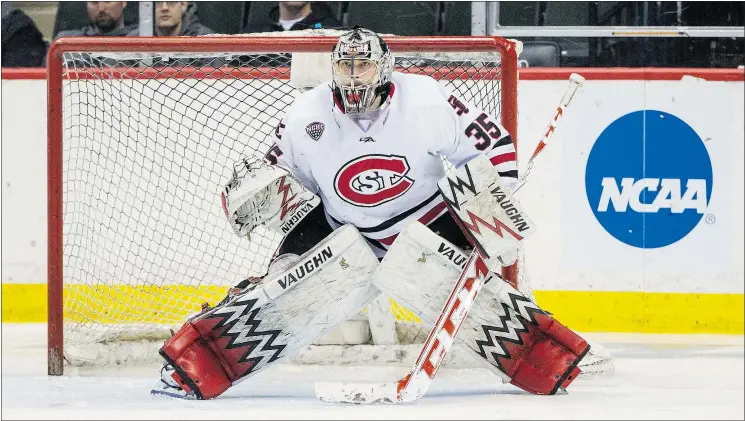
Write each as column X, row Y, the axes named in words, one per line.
column 396, row 219
column 503, row 157
column 507, row 140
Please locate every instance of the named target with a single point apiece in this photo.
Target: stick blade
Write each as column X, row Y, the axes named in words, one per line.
column 357, row 393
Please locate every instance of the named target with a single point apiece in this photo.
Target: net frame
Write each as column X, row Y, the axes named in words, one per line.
column 507, row 50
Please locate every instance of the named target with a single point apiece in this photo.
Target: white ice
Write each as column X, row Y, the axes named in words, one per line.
column 657, row 377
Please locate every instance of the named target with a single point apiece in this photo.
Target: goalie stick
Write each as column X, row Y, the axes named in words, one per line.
column 575, row 82
column 442, row 336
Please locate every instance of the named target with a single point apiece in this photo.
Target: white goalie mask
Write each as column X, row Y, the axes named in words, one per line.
column 361, row 67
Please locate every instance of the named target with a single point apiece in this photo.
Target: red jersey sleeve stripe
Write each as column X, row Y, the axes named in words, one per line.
column 500, row 159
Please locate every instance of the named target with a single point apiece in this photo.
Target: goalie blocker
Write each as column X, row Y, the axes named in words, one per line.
column 270, row 320
column 489, row 216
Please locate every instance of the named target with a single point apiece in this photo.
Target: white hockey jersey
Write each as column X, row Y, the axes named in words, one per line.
column 378, row 179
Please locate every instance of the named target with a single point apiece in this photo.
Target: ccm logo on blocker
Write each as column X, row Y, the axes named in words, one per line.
column 648, row 179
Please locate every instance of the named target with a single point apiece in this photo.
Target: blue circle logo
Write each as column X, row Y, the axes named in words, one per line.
column 648, row 179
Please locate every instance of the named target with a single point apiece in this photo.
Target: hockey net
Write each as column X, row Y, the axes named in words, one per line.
column 143, row 133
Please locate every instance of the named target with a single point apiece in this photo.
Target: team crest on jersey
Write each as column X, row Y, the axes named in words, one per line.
column 372, row 180
column 315, row 130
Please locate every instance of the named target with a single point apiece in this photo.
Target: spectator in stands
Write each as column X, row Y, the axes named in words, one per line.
column 179, row 18
column 176, row 18
column 107, row 19
column 23, row 44
column 294, row 15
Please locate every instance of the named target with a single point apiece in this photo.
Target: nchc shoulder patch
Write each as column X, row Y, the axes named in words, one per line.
column 315, row 130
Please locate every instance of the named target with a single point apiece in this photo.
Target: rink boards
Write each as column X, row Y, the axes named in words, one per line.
column 586, row 277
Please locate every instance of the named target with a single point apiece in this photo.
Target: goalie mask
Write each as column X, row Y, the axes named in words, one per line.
column 361, row 67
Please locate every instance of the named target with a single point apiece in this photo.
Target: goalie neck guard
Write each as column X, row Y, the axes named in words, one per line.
column 361, row 68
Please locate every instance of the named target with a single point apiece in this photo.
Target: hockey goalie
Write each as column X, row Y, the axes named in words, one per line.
column 354, row 182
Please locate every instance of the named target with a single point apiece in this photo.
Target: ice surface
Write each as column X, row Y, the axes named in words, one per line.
column 657, row 377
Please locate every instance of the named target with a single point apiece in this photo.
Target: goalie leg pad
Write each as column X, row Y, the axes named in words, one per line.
column 522, row 343
column 277, row 318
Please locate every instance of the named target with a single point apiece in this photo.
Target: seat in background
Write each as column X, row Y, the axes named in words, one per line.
column 223, row 17
column 395, row 17
column 570, row 13
column 456, row 18
column 541, row 54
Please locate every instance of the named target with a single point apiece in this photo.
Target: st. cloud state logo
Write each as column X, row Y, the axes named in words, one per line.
column 372, row 180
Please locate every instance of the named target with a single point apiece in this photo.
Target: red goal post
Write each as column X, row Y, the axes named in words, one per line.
column 60, row 75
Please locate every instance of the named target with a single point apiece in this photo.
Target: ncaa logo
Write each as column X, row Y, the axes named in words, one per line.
column 648, row 179
column 372, row 180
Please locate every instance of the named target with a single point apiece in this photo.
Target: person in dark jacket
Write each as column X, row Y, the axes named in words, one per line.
column 295, row 15
column 107, row 19
column 23, row 44
column 176, row 18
